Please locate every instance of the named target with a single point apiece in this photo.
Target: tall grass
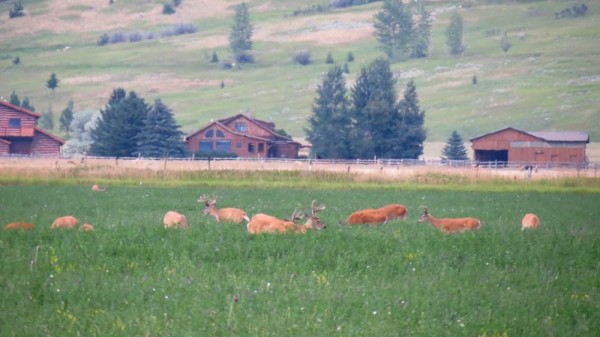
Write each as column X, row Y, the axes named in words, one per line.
column 131, row 277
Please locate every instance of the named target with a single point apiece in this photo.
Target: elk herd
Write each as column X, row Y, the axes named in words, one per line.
column 264, row 223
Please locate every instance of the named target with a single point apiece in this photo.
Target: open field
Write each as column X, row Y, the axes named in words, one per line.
column 131, row 277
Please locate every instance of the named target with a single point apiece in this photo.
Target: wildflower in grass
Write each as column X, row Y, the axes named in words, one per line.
column 321, row 277
column 411, row 256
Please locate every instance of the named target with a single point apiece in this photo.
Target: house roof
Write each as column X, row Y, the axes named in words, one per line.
column 42, row 131
column 549, row 136
column 18, row 108
column 226, row 128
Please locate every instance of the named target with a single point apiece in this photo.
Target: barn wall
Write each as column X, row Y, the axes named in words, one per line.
column 4, row 147
column 45, row 146
column 27, row 123
column 501, row 140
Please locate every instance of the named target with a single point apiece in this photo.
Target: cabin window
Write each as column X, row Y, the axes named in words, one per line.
column 241, row 127
column 209, row 134
column 238, row 145
column 220, row 134
column 14, row 123
column 224, row 146
column 250, row 148
column 261, row 147
column 205, row 146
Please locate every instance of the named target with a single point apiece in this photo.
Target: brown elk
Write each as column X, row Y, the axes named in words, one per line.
column 86, row 227
column 19, row 225
column 173, row 219
column 530, row 221
column 448, row 226
column 263, row 223
column 97, row 188
column 378, row 216
column 228, row 214
column 67, row 222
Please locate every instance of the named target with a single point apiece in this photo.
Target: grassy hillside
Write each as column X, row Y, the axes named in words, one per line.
column 548, row 80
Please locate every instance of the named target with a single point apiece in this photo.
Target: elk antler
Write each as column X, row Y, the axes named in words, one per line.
column 316, row 208
column 208, row 201
column 297, row 215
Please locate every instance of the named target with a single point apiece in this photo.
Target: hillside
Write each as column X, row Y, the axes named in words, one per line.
column 548, row 80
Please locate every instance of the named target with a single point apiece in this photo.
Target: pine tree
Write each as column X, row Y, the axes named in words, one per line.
column 17, row 10
column 46, row 122
column 329, row 59
column 119, row 124
column 394, row 28
column 505, row 44
column 27, row 105
column 454, row 34
column 240, row 37
column 329, row 123
column 214, row 58
column 66, row 117
column 52, row 82
column 455, row 148
column 160, row 136
column 411, row 124
column 14, row 99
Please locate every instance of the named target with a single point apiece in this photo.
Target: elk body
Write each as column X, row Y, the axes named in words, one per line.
column 228, row 214
column 173, row 219
column 263, row 223
column 97, row 188
column 86, row 227
column 378, row 216
column 19, row 225
column 67, row 221
column 530, row 221
column 449, row 225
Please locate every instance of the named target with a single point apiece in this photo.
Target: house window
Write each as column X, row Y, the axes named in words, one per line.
column 205, row 146
column 250, row 148
column 224, row 146
column 14, row 123
column 209, row 134
column 241, row 127
column 220, row 134
column 261, row 147
column 238, row 145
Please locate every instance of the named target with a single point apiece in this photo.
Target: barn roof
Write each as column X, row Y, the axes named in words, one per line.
column 18, row 108
column 549, row 136
column 44, row 132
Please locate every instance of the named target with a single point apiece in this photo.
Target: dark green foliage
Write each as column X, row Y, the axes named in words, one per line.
column 328, row 126
column 350, row 57
column 222, row 84
column 66, row 117
column 505, row 43
column 283, row 133
column 27, row 105
column 421, row 39
column 240, row 37
column 455, row 148
column 329, row 59
column 412, row 133
column 14, row 99
column 302, row 57
column 176, row 3
column 16, row 60
column 160, row 136
column 119, row 124
column 46, row 122
column 474, row 80
column 346, row 69
column 454, row 34
column 17, row 10
column 214, row 58
column 168, row 9
column 52, row 82
column 394, row 28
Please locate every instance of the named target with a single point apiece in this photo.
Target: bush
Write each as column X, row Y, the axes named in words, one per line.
column 176, row 3
column 117, row 37
column 244, row 58
column 329, row 59
column 103, row 40
column 168, row 9
column 17, row 10
column 302, row 57
column 135, row 37
column 350, row 57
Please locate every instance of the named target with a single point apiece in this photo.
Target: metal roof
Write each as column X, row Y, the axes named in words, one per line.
column 562, row 136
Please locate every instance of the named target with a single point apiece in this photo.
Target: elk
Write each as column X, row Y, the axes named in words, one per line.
column 173, row 219
column 449, row 226
column 67, row 221
column 531, row 221
column 19, row 225
column 263, row 223
column 97, row 188
column 86, row 227
column 378, row 216
column 228, row 214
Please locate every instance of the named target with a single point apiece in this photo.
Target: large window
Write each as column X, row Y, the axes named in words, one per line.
column 241, row 127
column 250, row 148
column 261, row 147
column 220, row 134
column 209, row 134
column 14, row 123
column 224, row 146
column 205, row 146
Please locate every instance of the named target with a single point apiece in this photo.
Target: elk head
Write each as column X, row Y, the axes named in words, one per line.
column 313, row 220
column 209, row 202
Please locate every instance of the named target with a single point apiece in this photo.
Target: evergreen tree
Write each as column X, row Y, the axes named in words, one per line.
column 394, row 28
column 66, row 117
column 411, row 128
column 329, row 123
column 240, row 37
column 46, row 122
column 329, row 59
column 454, row 34
column 421, row 39
column 214, row 58
column 160, row 136
column 17, row 10
column 455, row 148
column 52, row 82
column 505, row 44
column 14, row 99
column 27, row 105
column 119, row 125
column 16, row 60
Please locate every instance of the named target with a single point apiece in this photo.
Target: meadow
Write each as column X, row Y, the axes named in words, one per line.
column 131, row 277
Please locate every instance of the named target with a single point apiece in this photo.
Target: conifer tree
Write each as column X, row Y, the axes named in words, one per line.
column 455, row 148
column 14, row 99
column 46, row 121
column 240, row 37
column 27, row 105
column 52, row 82
column 411, row 128
column 160, row 136
column 329, row 122
column 66, row 117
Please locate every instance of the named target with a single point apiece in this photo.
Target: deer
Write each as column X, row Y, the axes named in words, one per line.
column 378, row 216
column 66, row 222
column 19, row 225
column 97, row 188
column 86, row 227
column 449, row 225
column 530, row 221
column 228, row 214
column 263, row 223
column 173, row 219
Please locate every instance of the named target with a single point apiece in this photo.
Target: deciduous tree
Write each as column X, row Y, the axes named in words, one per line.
column 454, row 34
column 394, row 28
column 240, row 37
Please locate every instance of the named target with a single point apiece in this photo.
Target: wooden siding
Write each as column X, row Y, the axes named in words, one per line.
column 27, row 123
column 501, row 140
column 4, row 147
column 45, row 146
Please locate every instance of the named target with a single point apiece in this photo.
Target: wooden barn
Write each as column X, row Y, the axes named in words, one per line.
column 19, row 134
column 512, row 145
column 244, row 136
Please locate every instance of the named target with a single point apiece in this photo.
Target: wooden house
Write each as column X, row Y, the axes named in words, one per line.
column 512, row 145
column 19, row 134
column 243, row 136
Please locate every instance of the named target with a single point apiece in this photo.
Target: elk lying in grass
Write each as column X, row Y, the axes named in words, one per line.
column 530, row 221
column 97, row 188
column 66, row 222
column 378, row 216
column 86, row 227
column 228, row 214
column 448, row 226
column 19, row 225
column 173, row 219
column 263, row 223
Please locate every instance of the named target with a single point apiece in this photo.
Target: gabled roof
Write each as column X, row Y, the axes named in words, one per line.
column 549, row 136
column 42, row 131
column 18, row 108
column 226, row 128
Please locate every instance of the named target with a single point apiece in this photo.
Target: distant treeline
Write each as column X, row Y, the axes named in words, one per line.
column 119, row 37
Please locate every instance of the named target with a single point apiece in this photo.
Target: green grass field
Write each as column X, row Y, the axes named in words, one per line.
column 131, row 277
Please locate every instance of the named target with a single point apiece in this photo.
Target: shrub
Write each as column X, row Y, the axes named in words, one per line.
column 350, row 57
column 17, row 10
column 302, row 57
column 214, row 58
column 244, row 58
column 117, row 37
column 176, row 3
column 184, row 28
column 168, row 9
column 103, row 40
column 329, row 59
column 135, row 37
